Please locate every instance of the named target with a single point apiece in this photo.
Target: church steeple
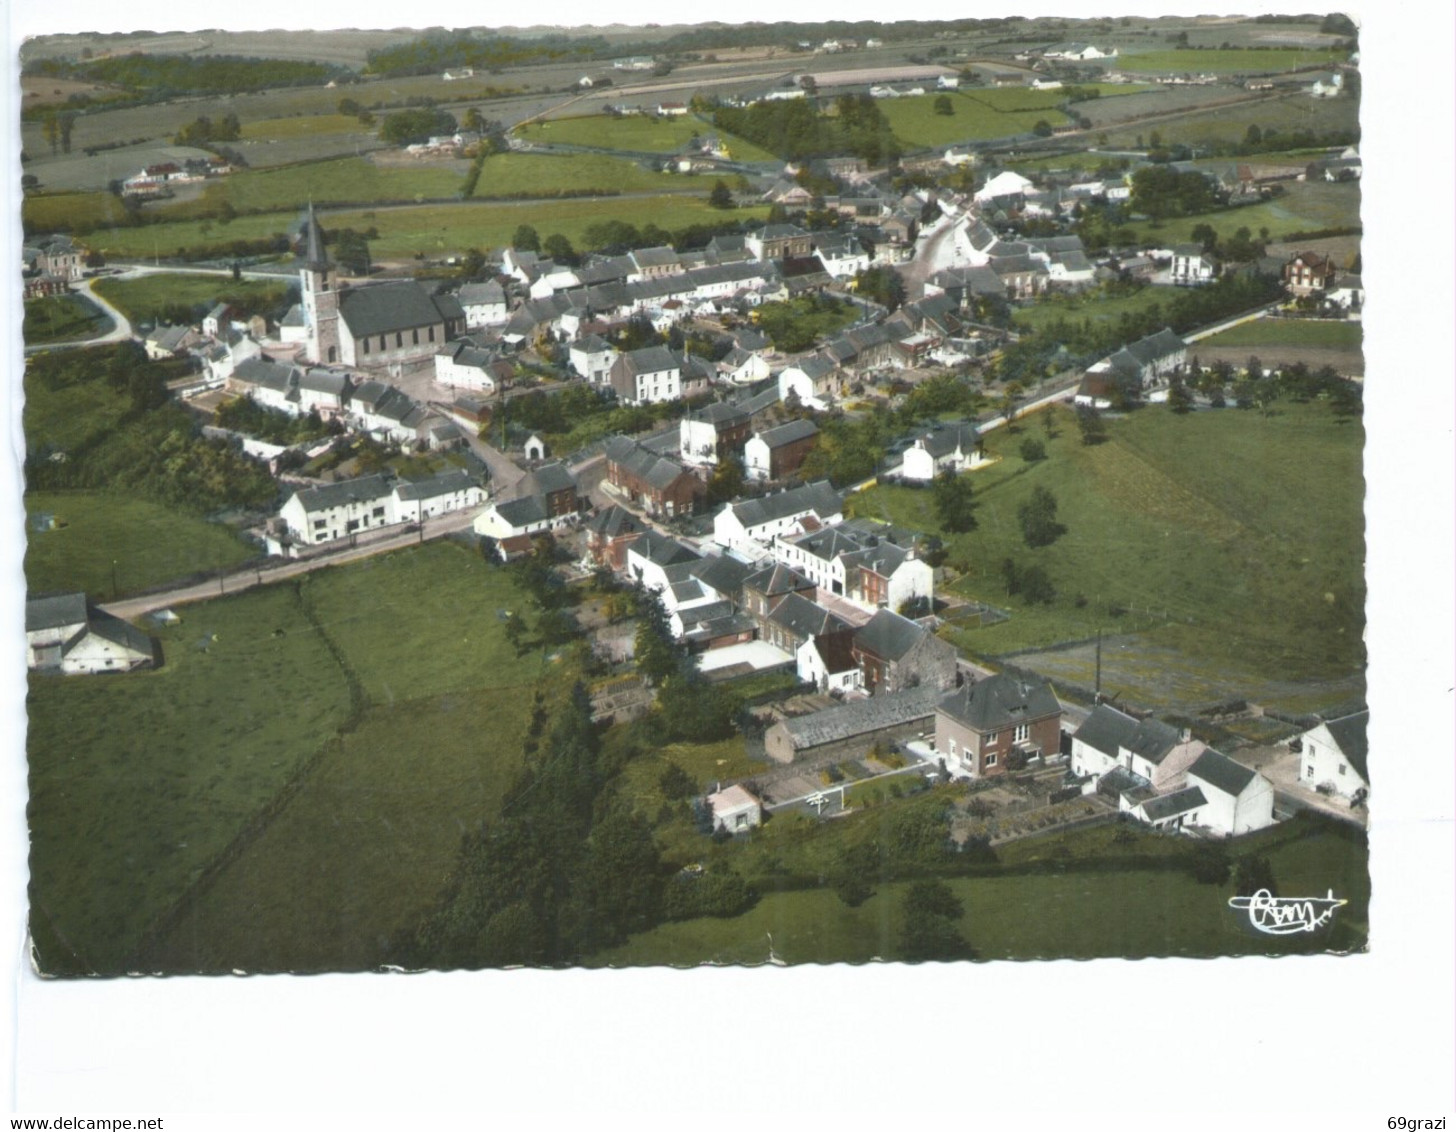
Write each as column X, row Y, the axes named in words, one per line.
column 316, row 258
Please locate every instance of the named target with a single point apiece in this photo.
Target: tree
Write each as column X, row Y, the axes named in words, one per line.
column 954, row 503
column 943, row 105
column 1205, row 236
column 526, row 239
column 929, row 925
column 559, row 248
column 721, row 197
column 657, row 656
column 1091, row 425
column 407, row 127
column 52, row 130
column 1180, row 398
column 1038, row 517
column 1032, row 450
column 1042, row 129
column 66, row 121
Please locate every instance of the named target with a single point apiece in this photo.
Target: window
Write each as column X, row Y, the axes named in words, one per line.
column 417, row 336
column 1309, row 771
column 990, row 760
column 333, row 353
column 952, row 748
column 365, row 345
column 318, row 525
column 432, row 334
column 379, row 512
column 991, row 738
column 1341, row 769
column 398, row 339
column 1023, row 732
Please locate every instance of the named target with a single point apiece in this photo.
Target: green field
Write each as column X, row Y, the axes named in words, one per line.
column 57, row 212
column 978, row 115
column 1318, row 333
column 1250, row 61
column 1096, row 307
column 213, row 734
column 637, row 133
column 105, row 536
column 1304, row 206
column 535, row 174
column 138, row 781
column 64, row 318
column 1230, row 123
column 305, row 126
column 148, row 297
column 348, row 180
column 1239, row 536
column 430, row 230
column 1130, row 911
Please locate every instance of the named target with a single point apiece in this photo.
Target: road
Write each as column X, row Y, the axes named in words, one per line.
column 931, row 255
column 241, row 580
column 120, row 331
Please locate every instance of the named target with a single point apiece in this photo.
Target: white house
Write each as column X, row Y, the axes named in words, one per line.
column 484, row 304
column 735, row 810
column 827, row 661
column 1192, row 266
column 528, row 515
column 439, row 495
column 1152, row 750
column 1333, row 756
column 591, row 358
column 464, row 365
column 1078, row 52
column 67, row 634
column 777, row 452
column 742, row 367
column 270, row 384
column 647, row 376
column 750, row 525
column 1004, row 184
column 945, row 448
column 816, row 381
column 1239, row 800
column 332, row 511
column 856, row 561
column 324, row 391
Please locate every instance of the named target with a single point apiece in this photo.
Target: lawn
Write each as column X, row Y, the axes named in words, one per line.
column 148, row 297
column 72, row 416
column 978, row 115
column 138, row 781
column 635, row 133
column 1090, row 305
column 545, row 175
column 1317, row 333
column 1247, row 61
column 62, row 318
column 109, row 537
column 1239, row 536
column 1304, row 206
column 1132, row 911
column 348, row 180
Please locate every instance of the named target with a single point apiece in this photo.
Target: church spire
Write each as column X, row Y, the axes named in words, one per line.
column 315, row 258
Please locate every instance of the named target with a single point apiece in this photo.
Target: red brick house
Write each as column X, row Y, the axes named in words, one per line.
column 1308, row 272
column 659, row 484
column 609, row 534
column 555, row 485
column 987, row 727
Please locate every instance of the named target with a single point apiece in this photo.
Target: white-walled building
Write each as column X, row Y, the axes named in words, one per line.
column 1149, row 748
column 750, row 526
column 945, row 448
column 1333, row 756
column 66, row 634
column 1239, row 800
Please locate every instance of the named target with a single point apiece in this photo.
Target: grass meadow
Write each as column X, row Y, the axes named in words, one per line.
column 63, row 212
column 62, row 318
column 137, row 543
column 528, row 174
column 146, row 298
column 1232, row 61
column 1317, row 333
column 979, row 115
column 1239, row 536
column 1076, row 307
column 1304, row 206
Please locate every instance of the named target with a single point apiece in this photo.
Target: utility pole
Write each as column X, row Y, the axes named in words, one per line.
column 1097, row 688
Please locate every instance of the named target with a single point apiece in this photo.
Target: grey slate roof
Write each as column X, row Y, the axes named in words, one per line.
column 661, row 550
column 1106, row 729
column 1153, row 740
column 817, row 497
column 775, row 580
column 1221, row 772
column 547, row 479
column 723, row 573
column 805, row 618
column 888, row 635
column 722, row 414
column 650, row 359
column 489, row 292
column 1350, row 733
column 324, row 381
column 614, row 522
column 1001, row 701
column 364, row 489
column 384, row 308
column 650, row 467
column 946, row 438
column 267, row 374
column 53, row 612
column 874, row 714
column 524, row 511
column 780, row 435
column 1171, row 805
column 444, row 483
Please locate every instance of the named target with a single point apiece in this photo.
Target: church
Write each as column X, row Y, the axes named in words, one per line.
column 374, row 326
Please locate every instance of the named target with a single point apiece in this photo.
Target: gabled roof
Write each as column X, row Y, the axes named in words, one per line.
column 661, row 550
column 546, row 480
column 803, row 617
column 614, row 522
column 445, row 483
column 266, row 374
column 836, row 650
column 649, row 359
column 723, row 573
column 1153, row 740
column 644, row 464
column 1350, row 733
column 385, row 308
column 788, row 433
column 889, row 636
column 777, row 579
column 1221, row 772
column 324, row 381
column 1000, row 701
column 1106, row 729
column 816, row 366
column 1171, row 805
column 364, row 489
column 721, row 414
column 54, row 612
column 874, row 714
column 817, row 498
column 944, row 439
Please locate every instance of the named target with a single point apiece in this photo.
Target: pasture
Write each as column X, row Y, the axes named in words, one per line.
column 344, row 180
column 508, row 175
column 148, row 298
column 108, row 537
column 1231, row 61
column 635, row 133
column 64, row 212
column 979, row 115
column 1318, row 333
column 138, row 781
column 64, row 318
column 1303, row 206
column 1238, row 537
column 1091, row 306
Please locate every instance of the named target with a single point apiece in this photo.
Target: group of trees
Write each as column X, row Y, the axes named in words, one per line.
column 203, row 131
column 168, row 76
column 439, row 51
column 1161, row 192
column 795, row 130
column 688, row 707
column 57, row 129
column 416, row 124
column 243, row 414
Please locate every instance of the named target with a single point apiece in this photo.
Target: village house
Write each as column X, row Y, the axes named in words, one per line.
column 856, row 561
column 591, row 358
column 650, row 556
column 658, row 484
column 777, row 453
column 827, row 662
column 484, row 304
column 815, row 382
column 1237, row 799
column 513, row 523
column 778, row 241
column 464, row 365
column 647, row 376
column 1150, row 749
column 853, row 728
column 332, row 511
column 997, row 724
column 1307, row 273
column 1192, row 266
column 1333, row 754
column 735, row 810
column 749, row 526
column 895, row 653
column 795, row 619
column 954, row 448
column 69, row 635
column 608, row 535
column 712, row 434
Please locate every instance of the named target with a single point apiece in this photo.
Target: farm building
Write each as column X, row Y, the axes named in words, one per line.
column 67, row 634
column 854, row 728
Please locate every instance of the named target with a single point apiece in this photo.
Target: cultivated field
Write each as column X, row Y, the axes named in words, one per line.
column 1240, row 61
column 1283, row 341
column 1230, row 123
column 636, row 133
column 979, row 115
column 1238, row 537
column 508, row 175
column 346, row 180
column 1303, row 206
